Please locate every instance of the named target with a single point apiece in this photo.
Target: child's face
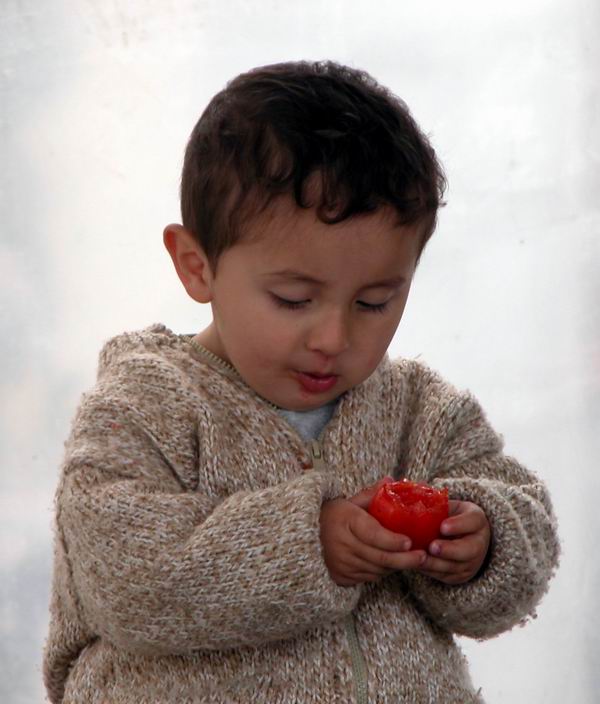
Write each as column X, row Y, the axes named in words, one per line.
column 331, row 330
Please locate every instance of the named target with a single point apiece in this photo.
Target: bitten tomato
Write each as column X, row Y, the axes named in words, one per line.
column 413, row 509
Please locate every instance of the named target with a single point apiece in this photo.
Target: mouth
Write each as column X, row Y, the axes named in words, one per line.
column 316, row 382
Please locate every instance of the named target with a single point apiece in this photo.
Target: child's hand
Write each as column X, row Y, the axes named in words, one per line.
column 459, row 558
column 356, row 547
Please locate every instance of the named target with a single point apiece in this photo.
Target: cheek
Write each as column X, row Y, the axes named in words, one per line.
column 376, row 350
column 375, row 344
column 271, row 334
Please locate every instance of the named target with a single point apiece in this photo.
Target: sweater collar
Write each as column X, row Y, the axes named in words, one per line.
column 213, row 359
column 200, row 352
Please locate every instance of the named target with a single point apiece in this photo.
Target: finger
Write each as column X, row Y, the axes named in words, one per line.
column 361, row 568
column 457, row 550
column 435, row 564
column 358, row 570
column 387, row 560
column 454, row 507
column 468, row 518
column 368, row 531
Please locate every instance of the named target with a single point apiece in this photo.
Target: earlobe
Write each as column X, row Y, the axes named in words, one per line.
column 190, row 262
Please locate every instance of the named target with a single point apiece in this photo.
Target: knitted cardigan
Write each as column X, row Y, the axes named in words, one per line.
column 188, row 565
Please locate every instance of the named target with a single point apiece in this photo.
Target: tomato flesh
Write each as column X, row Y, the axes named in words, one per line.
column 411, row 508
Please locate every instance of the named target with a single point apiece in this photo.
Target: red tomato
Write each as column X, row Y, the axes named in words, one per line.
column 413, row 509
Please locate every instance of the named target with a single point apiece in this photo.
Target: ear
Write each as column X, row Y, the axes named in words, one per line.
column 190, row 262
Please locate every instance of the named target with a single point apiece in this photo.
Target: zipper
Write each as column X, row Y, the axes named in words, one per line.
column 359, row 667
column 317, row 455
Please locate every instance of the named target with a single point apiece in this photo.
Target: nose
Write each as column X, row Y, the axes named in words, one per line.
column 330, row 334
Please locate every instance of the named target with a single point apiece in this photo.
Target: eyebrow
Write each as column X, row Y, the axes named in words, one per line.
column 305, row 278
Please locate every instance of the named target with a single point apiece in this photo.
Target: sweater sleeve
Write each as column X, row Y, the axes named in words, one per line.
column 160, row 569
column 456, row 447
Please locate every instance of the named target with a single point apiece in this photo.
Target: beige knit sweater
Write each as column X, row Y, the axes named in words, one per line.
column 188, row 564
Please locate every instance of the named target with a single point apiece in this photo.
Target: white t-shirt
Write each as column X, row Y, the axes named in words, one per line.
column 310, row 423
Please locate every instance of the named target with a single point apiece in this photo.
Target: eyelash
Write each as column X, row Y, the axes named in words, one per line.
column 295, row 305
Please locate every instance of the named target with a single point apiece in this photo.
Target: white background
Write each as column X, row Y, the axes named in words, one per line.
column 97, row 101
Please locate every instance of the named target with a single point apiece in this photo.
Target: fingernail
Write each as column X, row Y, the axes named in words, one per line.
column 423, row 558
column 435, row 549
column 405, row 545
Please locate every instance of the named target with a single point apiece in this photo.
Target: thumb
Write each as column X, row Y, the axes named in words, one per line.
column 363, row 498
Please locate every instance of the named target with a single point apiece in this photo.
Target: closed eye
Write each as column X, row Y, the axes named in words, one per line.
column 373, row 307
column 284, row 303
column 294, row 305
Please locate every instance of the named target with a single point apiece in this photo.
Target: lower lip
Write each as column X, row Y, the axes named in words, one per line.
column 316, row 385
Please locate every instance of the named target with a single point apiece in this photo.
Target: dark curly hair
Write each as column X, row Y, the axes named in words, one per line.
column 271, row 128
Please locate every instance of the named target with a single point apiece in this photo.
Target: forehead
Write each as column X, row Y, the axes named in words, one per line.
column 286, row 236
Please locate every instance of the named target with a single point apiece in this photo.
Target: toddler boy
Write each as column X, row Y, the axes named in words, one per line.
column 212, row 538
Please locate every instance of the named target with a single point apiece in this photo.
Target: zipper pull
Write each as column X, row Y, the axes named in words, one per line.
column 317, row 455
